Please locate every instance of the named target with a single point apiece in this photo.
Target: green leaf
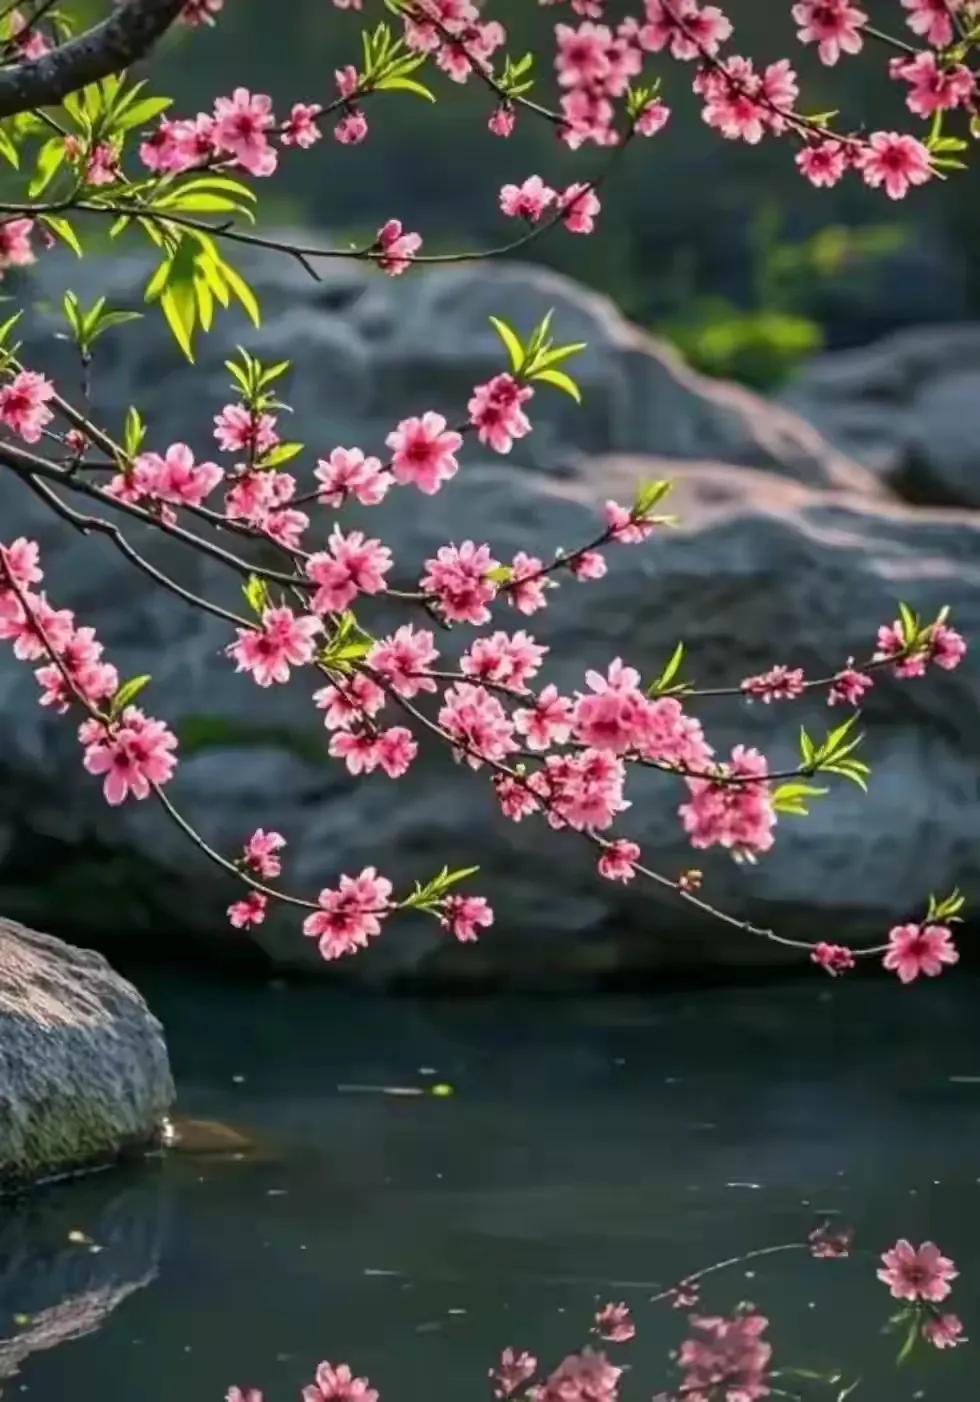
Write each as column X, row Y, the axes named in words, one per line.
column 512, row 343
column 431, row 896
column 256, row 591
column 8, row 150
column 905, row 1352
column 50, row 159
column 649, row 495
column 134, row 431
column 673, row 667
column 405, row 85
column 561, row 381
column 282, row 452
column 127, row 693
column 141, row 112
column 500, row 574
column 64, row 230
column 792, row 798
column 242, row 291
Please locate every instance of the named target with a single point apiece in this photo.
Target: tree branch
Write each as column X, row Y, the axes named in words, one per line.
column 121, row 39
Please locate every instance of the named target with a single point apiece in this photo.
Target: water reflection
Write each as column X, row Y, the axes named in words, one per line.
column 592, row 1151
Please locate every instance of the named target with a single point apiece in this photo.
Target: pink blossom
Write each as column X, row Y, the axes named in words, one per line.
column 835, row 958
column 464, row 916
column 348, row 80
column 424, row 452
column 80, row 656
column 21, row 561
column 625, row 526
column 301, row 129
column 24, row 628
column 528, row 584
column 895, row 161
column 352, row 130
column 397, row 249
column 688, row 29
column 733, row 100
column 343, row 705
column 823, row 162
column 848, row 687
column 24, row 404
column 932, row 20
column 582, row 207
column 507, row 659
column 240, row 125
column 947, row 648
column 528, row 201
column 588, row 565
column 495, row 412
column 582, row 1377
column 246, row 913
column 919, row 949
column 476, row 724
column 261, row 853
column 15, row 243
column 457, row 578
column 515, row 797
column 247, row 1394
column 609, row 715
column 618, row 863
column 103, row 164
column 348, row 917
column 29, row 41
column 727, row 1354
column 614, row 1323
column 917, row 1273
column 547, row 722
column 933, row 88
column 779, row 684
column 666, row 734
column 404, row 659
column 582, row 791
column 834, row 25
column 239, row 430
column 283, row 641
column 348, row 473
column 197, row 12
column 737, row 816
column 338, row 1384
column 395, row 750
column 353, row 564
column 503, row 120
column 652, row 119
column 582, row 54
column 358, row 749
column 175, row 477
column 135, row 754
column 513, row 1370
column 944, row 1331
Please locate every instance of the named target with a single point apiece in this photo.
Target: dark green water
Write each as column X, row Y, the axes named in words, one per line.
column 593, row 1148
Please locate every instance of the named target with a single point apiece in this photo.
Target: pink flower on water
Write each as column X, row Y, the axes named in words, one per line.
column 547, row 722
column 424, row 452
column 823, row 162
column 495, row 412
column 834, row 25
column 136, row 754
column 457, row 578
column 354, row 564
column 337, row 1383
column 726, row 1357
column 248, row 912
column 464, row 916
column 301, row 128
column 582, row 1377
column 261, row 853
column 404, row 659
column 397, row 249
column 917, row 1273
column 349, row 916
column 528, row 201
column 848, row 687
column 513, row 1370
column 919, row 949
column 614, row 1323
column 283, row 641
column 835, row 958
column 348, row 473
column 240, row 126
column 24, row 404
column 932, row 20
column 944, row 1331
column 895, row 161
column 779, row 684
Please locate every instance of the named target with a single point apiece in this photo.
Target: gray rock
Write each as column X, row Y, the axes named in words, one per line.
column 908, row 408
column 83, row 1066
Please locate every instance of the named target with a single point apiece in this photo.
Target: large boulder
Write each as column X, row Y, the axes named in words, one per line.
column 762, row 569
column 907, row 407
column 84, row 1074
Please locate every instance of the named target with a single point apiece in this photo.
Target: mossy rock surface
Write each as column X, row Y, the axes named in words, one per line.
column 84, row 1074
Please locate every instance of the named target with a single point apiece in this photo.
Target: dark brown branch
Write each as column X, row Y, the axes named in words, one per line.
column 119, row 40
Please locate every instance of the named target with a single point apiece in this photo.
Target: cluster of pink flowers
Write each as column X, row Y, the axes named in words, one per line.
column 923, row 1277
column 455, row 35
column 513, row 1371
column 942, row 646
column 174, row 479
column 284, row 640
column 738, row 816
column 24, row 405
column 725, row 1359
column 350, row 915
column 614, row 1323
column 352, row 564
column 581, row 1377
column 496, row 413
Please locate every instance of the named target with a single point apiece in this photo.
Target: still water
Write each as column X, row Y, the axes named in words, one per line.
column 592, row 1149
